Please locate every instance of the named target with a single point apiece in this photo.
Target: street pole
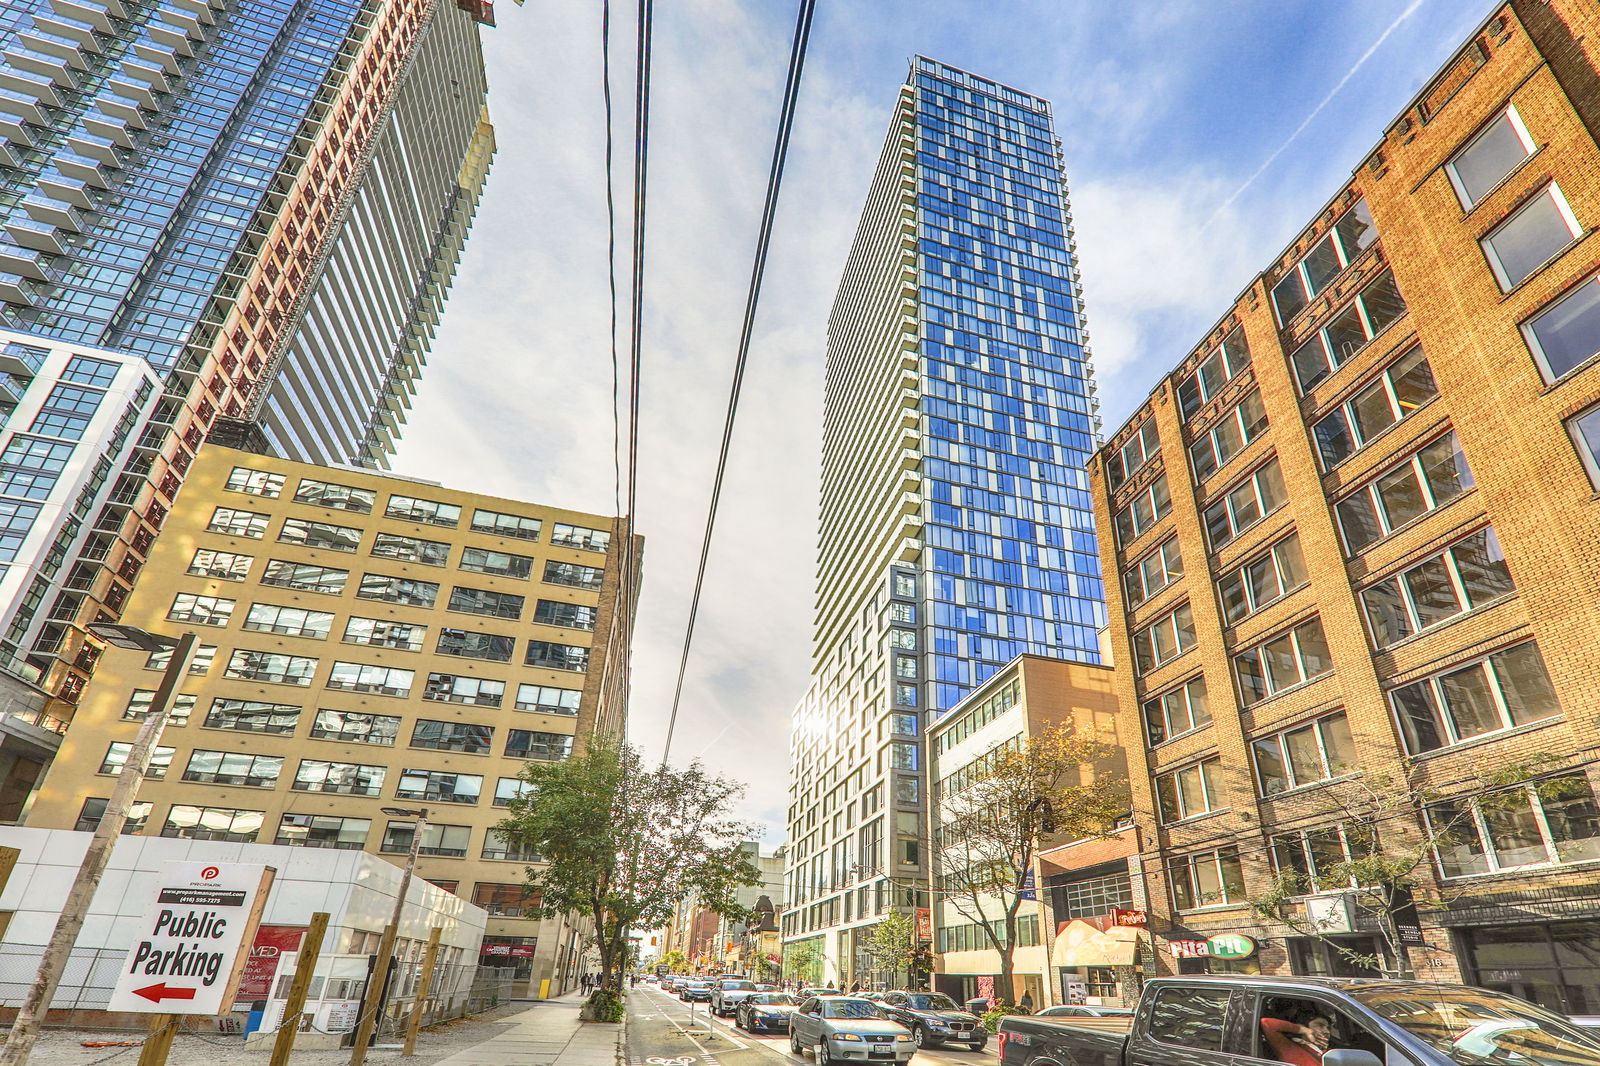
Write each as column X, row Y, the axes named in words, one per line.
column 25, row 1030
column 304, row 968
column 423, row 987
column 369, row 1017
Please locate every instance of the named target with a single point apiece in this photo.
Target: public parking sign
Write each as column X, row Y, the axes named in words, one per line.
column 187, row 954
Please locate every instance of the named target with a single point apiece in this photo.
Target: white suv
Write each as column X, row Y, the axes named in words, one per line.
column 726, row 994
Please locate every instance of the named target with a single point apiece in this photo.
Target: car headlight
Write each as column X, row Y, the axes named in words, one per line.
column 846, row 1036
column 903, row 1039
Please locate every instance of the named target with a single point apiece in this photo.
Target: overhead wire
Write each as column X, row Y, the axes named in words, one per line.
column 780, row 154
column 611, row 256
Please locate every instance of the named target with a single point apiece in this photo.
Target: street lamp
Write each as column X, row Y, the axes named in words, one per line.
column 369, row 1016
column 25, row 1030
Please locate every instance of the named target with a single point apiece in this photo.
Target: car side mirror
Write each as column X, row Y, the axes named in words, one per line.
column 1350, row 1057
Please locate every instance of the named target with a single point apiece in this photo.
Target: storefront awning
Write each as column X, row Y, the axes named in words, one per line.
column 1079, row 943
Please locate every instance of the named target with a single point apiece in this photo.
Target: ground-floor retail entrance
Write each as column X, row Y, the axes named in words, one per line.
column 1556, row 965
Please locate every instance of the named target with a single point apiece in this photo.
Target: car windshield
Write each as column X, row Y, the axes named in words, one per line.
column 776, row 999
column 738, row 986
column 849, row 1008
column 1476, row 1027
column 696, row 984
column 931, row 1001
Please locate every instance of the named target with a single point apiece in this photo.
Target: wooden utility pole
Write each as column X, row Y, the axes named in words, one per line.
column 305, row 965
column 163, row 1027
column 423, row 986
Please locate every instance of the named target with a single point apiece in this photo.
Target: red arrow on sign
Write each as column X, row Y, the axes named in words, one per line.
column 157, row 993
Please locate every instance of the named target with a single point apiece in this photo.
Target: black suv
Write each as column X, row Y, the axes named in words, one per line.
column 934, row 1019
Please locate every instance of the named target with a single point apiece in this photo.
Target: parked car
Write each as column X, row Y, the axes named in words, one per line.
column 1220, row 1020
column 934, row 1019
column 726, row 994
column 767, row 988
column 765, row 1012
column 695, row 990
column 807, row 993
column 1084, row 1010
column 847, row 1028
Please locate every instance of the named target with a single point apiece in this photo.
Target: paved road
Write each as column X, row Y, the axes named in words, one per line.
column 663, row 1032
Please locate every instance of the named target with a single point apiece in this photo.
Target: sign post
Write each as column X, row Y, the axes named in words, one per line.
column 189, row 952
column 304, row 967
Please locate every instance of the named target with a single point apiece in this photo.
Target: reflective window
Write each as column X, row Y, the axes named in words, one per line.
column 1351, row 235
column 1531, row 237
column 1143, row 511
column 1219, row 367
column 1282, row 662
column 255, row 482
column 1141, row 446
column 1467, row 575
column 339, row 497
column 1304, row 755
column 1190, row 791
column 1242, row 507
column 431, row 512
column 1348, row 331
column 1400, row 390
column 1208, row 879
column 1566, row 334
column 1177, row 711
column 1154, row 572
column 1263, row 580
column 1217, row 446
column 505, row 525
column 1164, row 639
column 1424, row 482
column 308, row 577
column 1483, row 162
column 320, row 535
column 1506, row 689
column 1554, row 821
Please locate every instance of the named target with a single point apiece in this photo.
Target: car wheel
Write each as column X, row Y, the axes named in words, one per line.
column 920, row 1035
column 822, row 1054
column 794, row 1045
column 979, row 1045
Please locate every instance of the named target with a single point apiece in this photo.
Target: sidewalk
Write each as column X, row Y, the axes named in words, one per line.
column 546, row 1034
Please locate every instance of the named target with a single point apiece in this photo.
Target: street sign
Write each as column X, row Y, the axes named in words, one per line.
column 187, row 955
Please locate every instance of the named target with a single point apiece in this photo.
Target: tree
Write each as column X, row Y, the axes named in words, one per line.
column 803, row 961
column 893, row 945
column 1050, row 784
column 1387, row 883
column 622, row 845
column 675, row 961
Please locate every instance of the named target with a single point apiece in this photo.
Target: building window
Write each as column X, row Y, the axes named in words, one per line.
column 1224, row 364
column 1566, row 334
column 437, row 839
column 456, row 688
column 384, row 634
column 229, row 566
column 238, row 523
column 1506, row 689
column 904, row 639
column 213, row 823
column 1283, row 661
column 1554, row 821
column 290, row 621
column 347, row 778
column 1217, row 446
column 505, row 525
column 1154, row 572
column 452, row 736
column 429, row 512
column 139, row 705
column 1468, row 575
column 1208, row 879
column 470, row 645
column 252, row 716
column 356, row 727
column 1176, row 712
column 233, row 768
column 1244, row 505
column 1093, row 897
column 904, row 614
column 398, row 590
column 1189, row 792
column 1486, row 160
column 271, row 666
column 94, row 809
column 573, row 575
column 117, row 756
column 501, row 564
column 307, row 577
column 1326, row 260
column 1585, row 430
column 905, row 695
column 1138, row 449
column 255, row 482
column 439, row 786
column 1348, row 331
column 323, row 831
column 1143, row 511
column 505, row 901
column 411, row 549
column 508, row 789
column 903, row 756
column 553, row 656
column 905, row 584
column 548, row 700
column 497, row 845
column 337, row 497
column 201, row 610
column 319, row 535
column 1418, row 484
column 1164, row 639
column 507, row 605
column 367, row 677
column 201, row 663
column 569, row 536
column 86, row 371
column 1302, row 756
column 1314, row 857
column 1534, row 234
column 557, row 613
column 1263, row 580
column 1400, row 390
column 528, row 744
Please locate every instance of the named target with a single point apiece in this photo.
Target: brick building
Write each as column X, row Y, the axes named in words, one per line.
column 1351, row 544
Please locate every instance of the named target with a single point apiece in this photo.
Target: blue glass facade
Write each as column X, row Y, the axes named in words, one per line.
column 1009, row 422
column 140, row 139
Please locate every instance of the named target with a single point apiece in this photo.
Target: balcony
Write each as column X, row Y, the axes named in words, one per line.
column 151, row 75
column 140, row 93
column 90, row 171
column 124, row 108
column 24, row 84
column 93, row 146
column 96, row 15
column 156, row 52
column 23, row 360
column 108, row 128
column 39, row 236
column 23, row 106
column 58, row 186
column 68, row 28
column 42, row 65
column 24, row 262
column 68, row 51
column 54, row 212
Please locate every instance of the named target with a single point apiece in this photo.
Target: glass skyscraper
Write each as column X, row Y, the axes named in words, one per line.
column 957, row 528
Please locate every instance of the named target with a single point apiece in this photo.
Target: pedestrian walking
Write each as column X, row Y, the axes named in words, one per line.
column 1026, row 1002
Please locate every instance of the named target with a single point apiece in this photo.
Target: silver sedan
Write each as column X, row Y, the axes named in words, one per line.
column 848, row 1029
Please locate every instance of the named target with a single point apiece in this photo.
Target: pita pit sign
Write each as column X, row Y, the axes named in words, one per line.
column 187, row 952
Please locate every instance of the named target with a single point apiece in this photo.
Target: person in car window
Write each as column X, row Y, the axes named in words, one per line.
column 1296, row 1043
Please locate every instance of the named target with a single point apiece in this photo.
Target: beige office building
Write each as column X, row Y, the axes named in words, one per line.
column 367, row 641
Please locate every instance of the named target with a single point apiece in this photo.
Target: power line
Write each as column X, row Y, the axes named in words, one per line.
column 780, row 154
column 611, row 257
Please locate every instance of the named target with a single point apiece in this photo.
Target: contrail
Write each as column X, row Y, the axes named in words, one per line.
column 1326, row 100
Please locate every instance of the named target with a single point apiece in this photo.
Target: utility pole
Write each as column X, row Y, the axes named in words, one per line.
column 369, row 1016
column 423, row 987
column 53, row 962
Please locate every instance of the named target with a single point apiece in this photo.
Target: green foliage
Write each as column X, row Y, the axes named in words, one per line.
column 607, row 1005
column 803, row 961
column 675, row 961
column 623, row 844
column 991, row 1018
column 893, row 944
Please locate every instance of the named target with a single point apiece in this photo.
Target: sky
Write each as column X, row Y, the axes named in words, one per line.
column 1199, row 138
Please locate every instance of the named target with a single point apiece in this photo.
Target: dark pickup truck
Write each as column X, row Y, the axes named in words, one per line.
column 1305, row 1021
